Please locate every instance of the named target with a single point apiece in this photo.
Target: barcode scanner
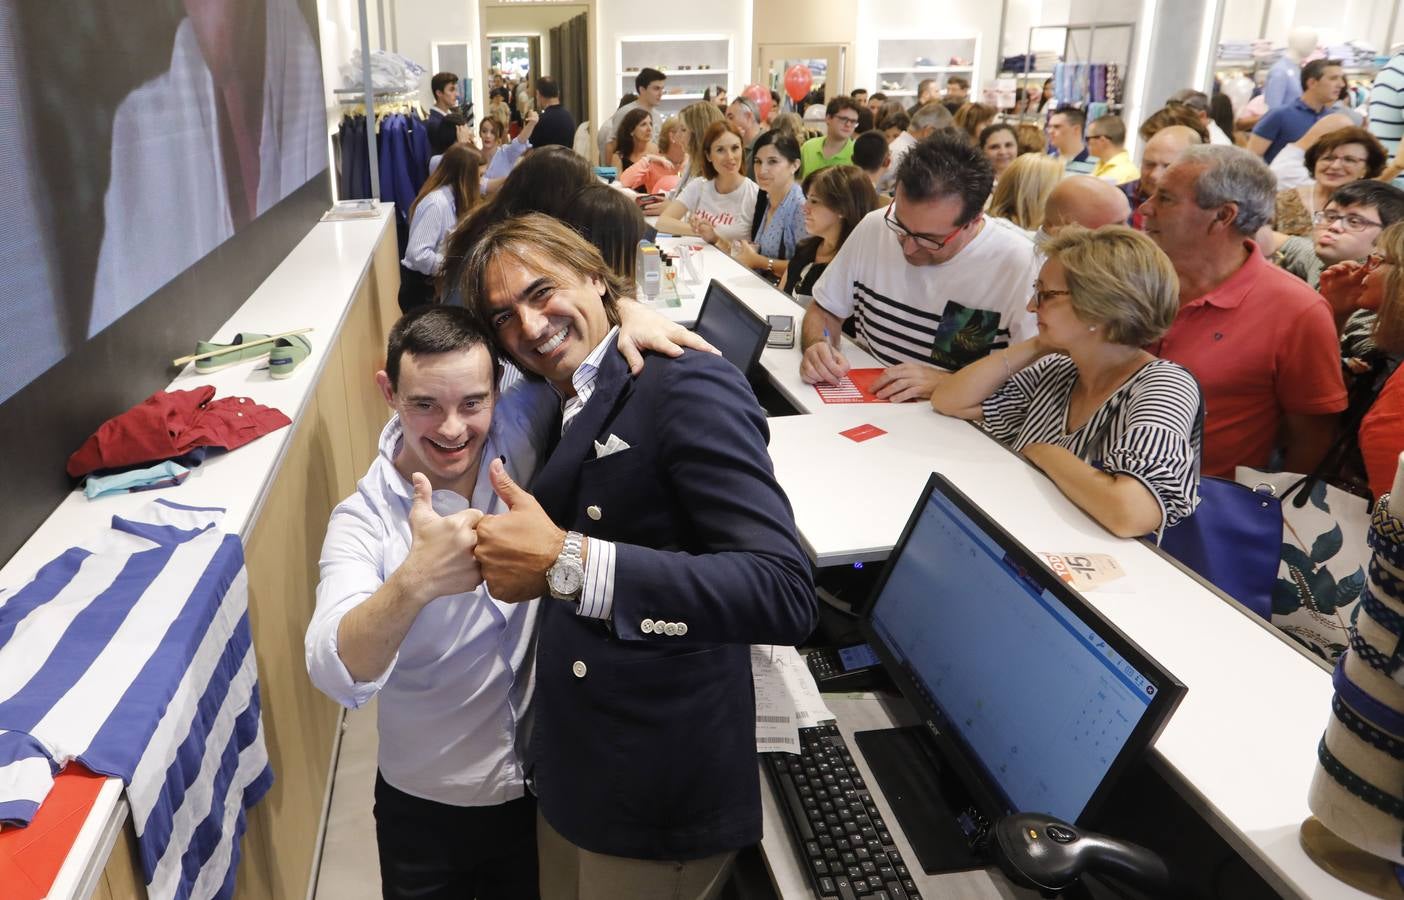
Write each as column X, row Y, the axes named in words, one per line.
column 1046, row 853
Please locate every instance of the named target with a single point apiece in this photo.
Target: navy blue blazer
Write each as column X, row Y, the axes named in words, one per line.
column 643, row 744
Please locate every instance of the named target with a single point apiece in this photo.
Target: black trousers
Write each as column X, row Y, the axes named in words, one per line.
column 434, row 851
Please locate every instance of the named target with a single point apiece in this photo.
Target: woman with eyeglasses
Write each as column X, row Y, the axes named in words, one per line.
column 1381, row 431
column 1115, row 428
column 836, row 200
column 1337, row 159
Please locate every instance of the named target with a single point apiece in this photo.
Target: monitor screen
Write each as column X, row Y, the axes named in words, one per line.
column 1021, row 676
column 731, row 327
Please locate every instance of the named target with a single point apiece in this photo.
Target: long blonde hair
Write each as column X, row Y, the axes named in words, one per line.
column 699, row 117
column 1022, row 191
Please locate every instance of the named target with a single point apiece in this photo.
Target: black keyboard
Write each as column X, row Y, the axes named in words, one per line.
column 842, row 837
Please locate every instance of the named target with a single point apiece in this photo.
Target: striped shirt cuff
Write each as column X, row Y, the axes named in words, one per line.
column 597, row 593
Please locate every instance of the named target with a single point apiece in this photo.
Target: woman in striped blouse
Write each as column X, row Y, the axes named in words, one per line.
column 1115, row 428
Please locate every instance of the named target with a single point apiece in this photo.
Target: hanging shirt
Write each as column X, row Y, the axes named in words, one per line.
column 1284, row 83
column 1387, row 105
column 167, row 202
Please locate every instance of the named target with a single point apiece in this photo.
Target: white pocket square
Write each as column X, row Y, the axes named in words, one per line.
column 613, row 445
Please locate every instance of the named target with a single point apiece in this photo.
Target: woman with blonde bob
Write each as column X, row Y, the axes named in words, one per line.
column 1022, row 191
column 1116, row 429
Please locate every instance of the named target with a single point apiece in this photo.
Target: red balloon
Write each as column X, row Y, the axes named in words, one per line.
column 798, row 81
column 761, row 97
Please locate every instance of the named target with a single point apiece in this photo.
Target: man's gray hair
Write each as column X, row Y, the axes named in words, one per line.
column 749, row 105
column 932, row 115
column 1195, row 100
column 1233, row 175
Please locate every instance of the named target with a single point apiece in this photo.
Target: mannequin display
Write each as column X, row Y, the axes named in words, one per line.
column 1354, row 832
column 1284, row 79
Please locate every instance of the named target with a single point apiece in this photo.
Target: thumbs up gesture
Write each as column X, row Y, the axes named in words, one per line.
column 441, row 560
column 516, row 548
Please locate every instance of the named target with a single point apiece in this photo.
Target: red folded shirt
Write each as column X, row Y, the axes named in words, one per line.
column 170, row 424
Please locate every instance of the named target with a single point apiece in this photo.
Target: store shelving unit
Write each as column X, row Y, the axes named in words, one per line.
column 897, row 63
column 692, row 62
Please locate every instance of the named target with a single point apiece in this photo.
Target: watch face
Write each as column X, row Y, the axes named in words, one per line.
column 566, row 579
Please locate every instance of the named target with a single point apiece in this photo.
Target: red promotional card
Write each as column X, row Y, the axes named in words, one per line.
column 860, row 433
column 855, row 387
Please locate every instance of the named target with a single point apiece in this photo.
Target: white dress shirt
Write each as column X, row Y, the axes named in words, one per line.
column 434, row 218
column 597, row 591
column 454, row 700
column 167, row 202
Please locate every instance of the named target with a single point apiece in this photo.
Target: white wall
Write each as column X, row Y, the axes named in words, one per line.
column 916, row 19
column 416, row 24
column 1334, row 20
column 629, row 18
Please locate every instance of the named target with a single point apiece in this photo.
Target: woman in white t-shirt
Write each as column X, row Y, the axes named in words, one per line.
column 720, row 206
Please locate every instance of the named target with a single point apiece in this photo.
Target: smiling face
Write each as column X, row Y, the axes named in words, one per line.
column 725, row 154
column 1000, row 150
column 547, row 323
column 1342, row 165
column 774, row 173
column 445, row 404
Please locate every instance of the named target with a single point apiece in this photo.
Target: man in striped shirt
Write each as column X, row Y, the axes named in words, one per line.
column 1387, row 103
column 930, row 283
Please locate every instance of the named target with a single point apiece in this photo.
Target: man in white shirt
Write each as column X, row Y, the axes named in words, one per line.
column 402, row 613
column 649, row 85
column 930, row 282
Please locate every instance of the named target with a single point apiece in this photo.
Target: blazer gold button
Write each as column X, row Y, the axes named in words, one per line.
column 671, row 629
column 593, row 512
column 682, row 629
column 578, row 668
column 646, row 626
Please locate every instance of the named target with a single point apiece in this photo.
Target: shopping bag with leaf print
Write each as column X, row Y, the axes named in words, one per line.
column 1323, row 558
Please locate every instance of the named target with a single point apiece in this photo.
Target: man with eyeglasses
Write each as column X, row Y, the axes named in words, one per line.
column 1345, row 230
column 835, row 148
column 930, row 283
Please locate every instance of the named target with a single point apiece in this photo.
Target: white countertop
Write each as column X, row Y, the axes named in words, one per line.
column 1242, row 745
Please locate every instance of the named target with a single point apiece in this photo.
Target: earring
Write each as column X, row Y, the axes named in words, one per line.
column 1091, row 327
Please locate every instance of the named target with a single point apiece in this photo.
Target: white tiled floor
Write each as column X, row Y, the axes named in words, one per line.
column 350, row 869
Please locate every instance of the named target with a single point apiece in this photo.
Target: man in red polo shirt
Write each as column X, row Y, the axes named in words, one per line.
column 1262, row 344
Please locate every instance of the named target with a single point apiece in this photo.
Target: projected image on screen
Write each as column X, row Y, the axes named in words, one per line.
column 145, row 135
column 232, row 127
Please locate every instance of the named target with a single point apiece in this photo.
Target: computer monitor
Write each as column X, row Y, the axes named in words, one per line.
column 731, row 327
column 1034, row 700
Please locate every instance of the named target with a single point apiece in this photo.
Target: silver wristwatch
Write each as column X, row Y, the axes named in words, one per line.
column 567, row 576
